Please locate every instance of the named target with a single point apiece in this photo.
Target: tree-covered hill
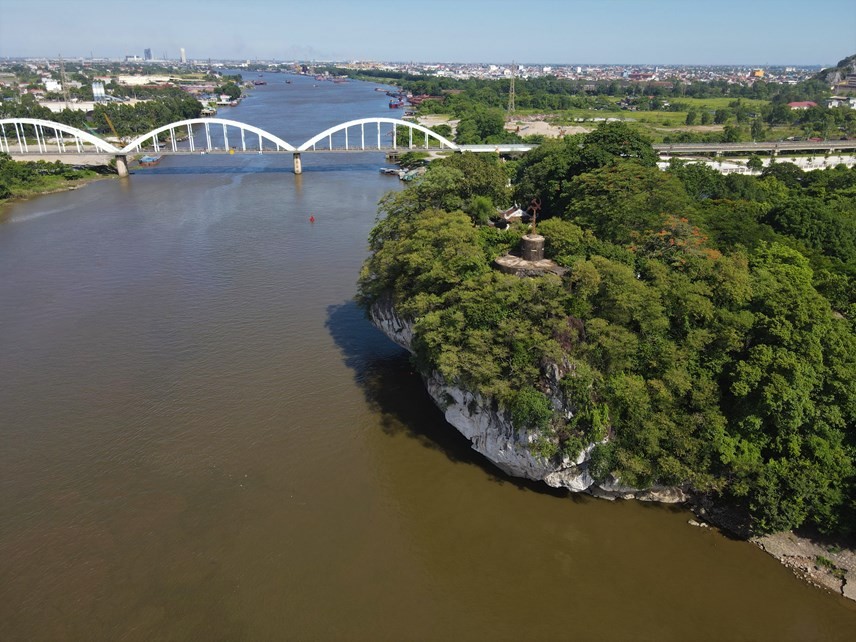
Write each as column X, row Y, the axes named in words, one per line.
column 704, row 331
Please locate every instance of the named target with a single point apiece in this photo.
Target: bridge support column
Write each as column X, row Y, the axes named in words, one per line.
column 298, row 166
column 122, row 165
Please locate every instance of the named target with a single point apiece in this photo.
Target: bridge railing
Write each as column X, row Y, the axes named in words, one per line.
column 210, row 135
column 46, row 136
column 376, row 134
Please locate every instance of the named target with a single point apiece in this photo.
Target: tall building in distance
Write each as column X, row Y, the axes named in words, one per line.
column 147, row 54
column 183, row 56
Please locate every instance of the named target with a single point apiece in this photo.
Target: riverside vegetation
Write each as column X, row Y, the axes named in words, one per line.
column 26, row 178
column 704, row 329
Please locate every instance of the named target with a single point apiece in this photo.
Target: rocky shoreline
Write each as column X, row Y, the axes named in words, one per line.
column 824, row 564
column 821, row 563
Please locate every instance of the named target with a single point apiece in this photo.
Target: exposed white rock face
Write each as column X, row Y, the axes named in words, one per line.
column 384, row 318
column 492, row 433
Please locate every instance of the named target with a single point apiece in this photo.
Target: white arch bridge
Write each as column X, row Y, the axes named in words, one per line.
column 31, row 137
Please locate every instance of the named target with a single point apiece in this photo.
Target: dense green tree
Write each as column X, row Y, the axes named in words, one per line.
column 547, row 171
column 788, row 173
column 786, row 394
column 482, row 125
column 618, row 200
column 721, row 116
column 755, row 163
column 699, row 179
column 703, row 334
column 230, row 89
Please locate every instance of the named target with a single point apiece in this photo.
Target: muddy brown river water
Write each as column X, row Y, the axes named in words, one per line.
column 202, row 437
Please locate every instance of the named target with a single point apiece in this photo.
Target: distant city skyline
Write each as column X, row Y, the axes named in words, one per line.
column 726, row 32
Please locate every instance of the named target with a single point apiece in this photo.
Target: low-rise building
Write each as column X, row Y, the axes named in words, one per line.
column 841, row 101
column 803, row 104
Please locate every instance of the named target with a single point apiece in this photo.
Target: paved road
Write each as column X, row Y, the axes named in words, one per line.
column 782, row 146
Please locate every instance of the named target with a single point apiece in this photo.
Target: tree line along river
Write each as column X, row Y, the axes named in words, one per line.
column 203, row 437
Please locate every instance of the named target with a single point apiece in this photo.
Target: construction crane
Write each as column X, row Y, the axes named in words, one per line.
column 112, row 129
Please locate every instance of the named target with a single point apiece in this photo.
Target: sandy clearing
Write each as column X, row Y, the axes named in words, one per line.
column 541, row 128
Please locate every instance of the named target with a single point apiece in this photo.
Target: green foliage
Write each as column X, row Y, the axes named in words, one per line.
column 480, row 209
column 702, row 336
column 231, row 89
column 426, row 255
column 23, row 178
column 530, row 409
column 547, row 171
column 564, row 241
column 617, row 200
column 482, row 125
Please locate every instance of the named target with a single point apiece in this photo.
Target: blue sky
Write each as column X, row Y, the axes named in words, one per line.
column 756, row 32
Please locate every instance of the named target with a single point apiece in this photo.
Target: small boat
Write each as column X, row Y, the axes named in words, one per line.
column 395, row 104
column 390, row 171
column 259, row 82
column 149, row 161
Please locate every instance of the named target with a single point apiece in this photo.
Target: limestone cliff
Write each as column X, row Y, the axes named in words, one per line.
column 837, row 74
column 493, row 434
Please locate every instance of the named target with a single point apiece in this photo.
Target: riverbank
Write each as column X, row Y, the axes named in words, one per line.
column 819, row 561
column 57, row 187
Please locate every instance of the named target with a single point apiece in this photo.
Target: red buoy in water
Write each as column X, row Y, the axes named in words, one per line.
column 312, row 219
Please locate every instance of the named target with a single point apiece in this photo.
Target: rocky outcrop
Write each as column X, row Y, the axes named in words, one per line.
column 493, row 434
column 837, row 74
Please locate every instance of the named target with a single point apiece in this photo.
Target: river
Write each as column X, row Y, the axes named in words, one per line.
column 202, row 437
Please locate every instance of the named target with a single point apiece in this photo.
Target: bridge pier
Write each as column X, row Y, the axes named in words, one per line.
column 121, row 165
column 298, row 166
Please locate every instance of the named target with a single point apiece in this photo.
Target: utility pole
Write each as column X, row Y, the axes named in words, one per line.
column 511, row 106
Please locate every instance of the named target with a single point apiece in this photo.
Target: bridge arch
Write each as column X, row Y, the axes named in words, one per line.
column 395, row 122
column 135, row 144
column 39, row 127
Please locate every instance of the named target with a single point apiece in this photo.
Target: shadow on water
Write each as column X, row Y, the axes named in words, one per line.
column 210, row 169
column 394, row 388
column 232, row 168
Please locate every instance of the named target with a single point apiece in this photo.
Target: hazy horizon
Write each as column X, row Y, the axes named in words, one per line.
column 760, row 33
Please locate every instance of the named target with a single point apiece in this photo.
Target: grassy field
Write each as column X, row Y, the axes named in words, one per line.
column 656, row 124
column 711, row 104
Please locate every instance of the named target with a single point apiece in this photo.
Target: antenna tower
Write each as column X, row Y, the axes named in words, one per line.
column 511, row 89
column 64, row 80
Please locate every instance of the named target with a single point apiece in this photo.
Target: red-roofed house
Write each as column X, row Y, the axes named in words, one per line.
column 802, row 105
